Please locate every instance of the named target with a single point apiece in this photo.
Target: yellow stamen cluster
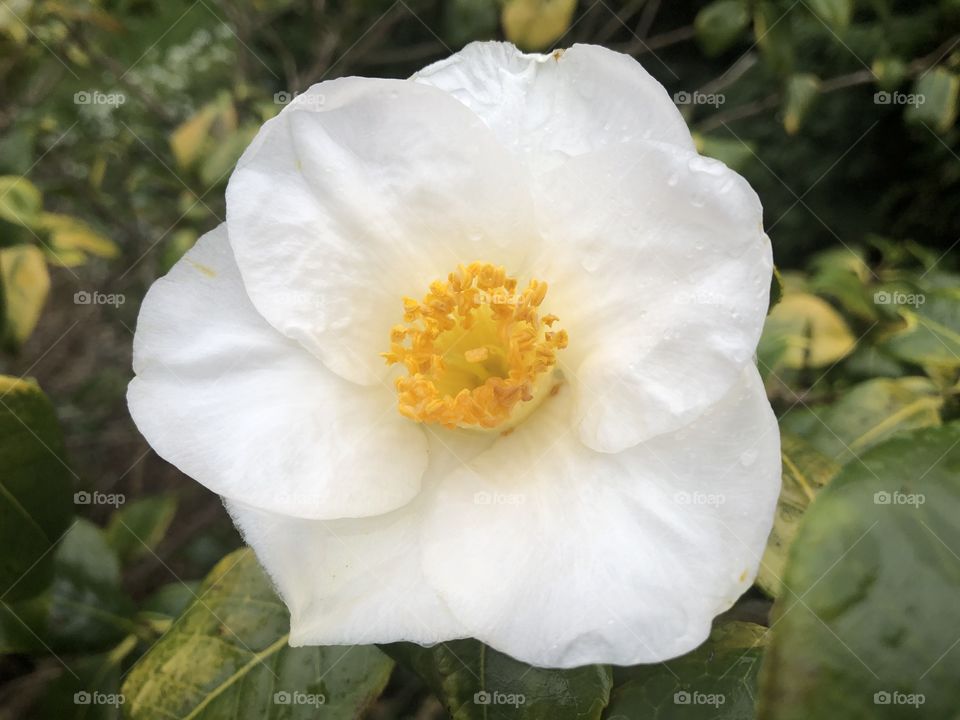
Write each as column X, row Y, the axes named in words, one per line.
column 473, row 348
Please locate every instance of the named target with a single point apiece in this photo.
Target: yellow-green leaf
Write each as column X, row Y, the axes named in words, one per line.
column 26, row 283
column 801, row 92
column 931, row 328
column 804, row 331
column 20, row 200
column 71, row 240
column 805, row 471
column 867, row 414
column 192, row 138
column 935, row 96
column 536, row 24
column 227, row 657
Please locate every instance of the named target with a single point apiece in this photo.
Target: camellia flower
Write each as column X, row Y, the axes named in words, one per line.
column 472, row 356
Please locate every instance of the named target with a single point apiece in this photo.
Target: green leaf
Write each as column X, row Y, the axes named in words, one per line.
column 85, row 608
column 804, row 331
column 868, row 361
column 805, row 471
column 889, row 72
column 466, row 20
column 718, row 680
column 866, row 415
column 176, row 247
column 931, row 331
column 216, row 166
column 161, row 608
column 801, row 92
column 835, row 13
column 20, row 200
column 843, row 275
column 137, row 528
column 91, row 690
column 536, row 24
column 875, row 575
column 936, row 99
column 227, row 657
column 720, row 24
column 735, row 154
column 26, row 282
column 771, row 30
column 776, row 289
column 35, row 504
column 473, row 681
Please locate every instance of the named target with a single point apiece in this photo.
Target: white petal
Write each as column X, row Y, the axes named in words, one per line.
column 252, row 415
column 548, row 108
column 660, row 270
column 561, row 556
column 360, row 192
column 358, row 581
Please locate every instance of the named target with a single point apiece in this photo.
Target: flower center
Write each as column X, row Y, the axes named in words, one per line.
column 475, row 348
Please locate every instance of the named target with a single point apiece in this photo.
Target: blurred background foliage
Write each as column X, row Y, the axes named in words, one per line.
column 119, row 125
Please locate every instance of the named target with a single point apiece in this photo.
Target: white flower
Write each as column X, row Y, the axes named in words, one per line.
column 608, row 481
